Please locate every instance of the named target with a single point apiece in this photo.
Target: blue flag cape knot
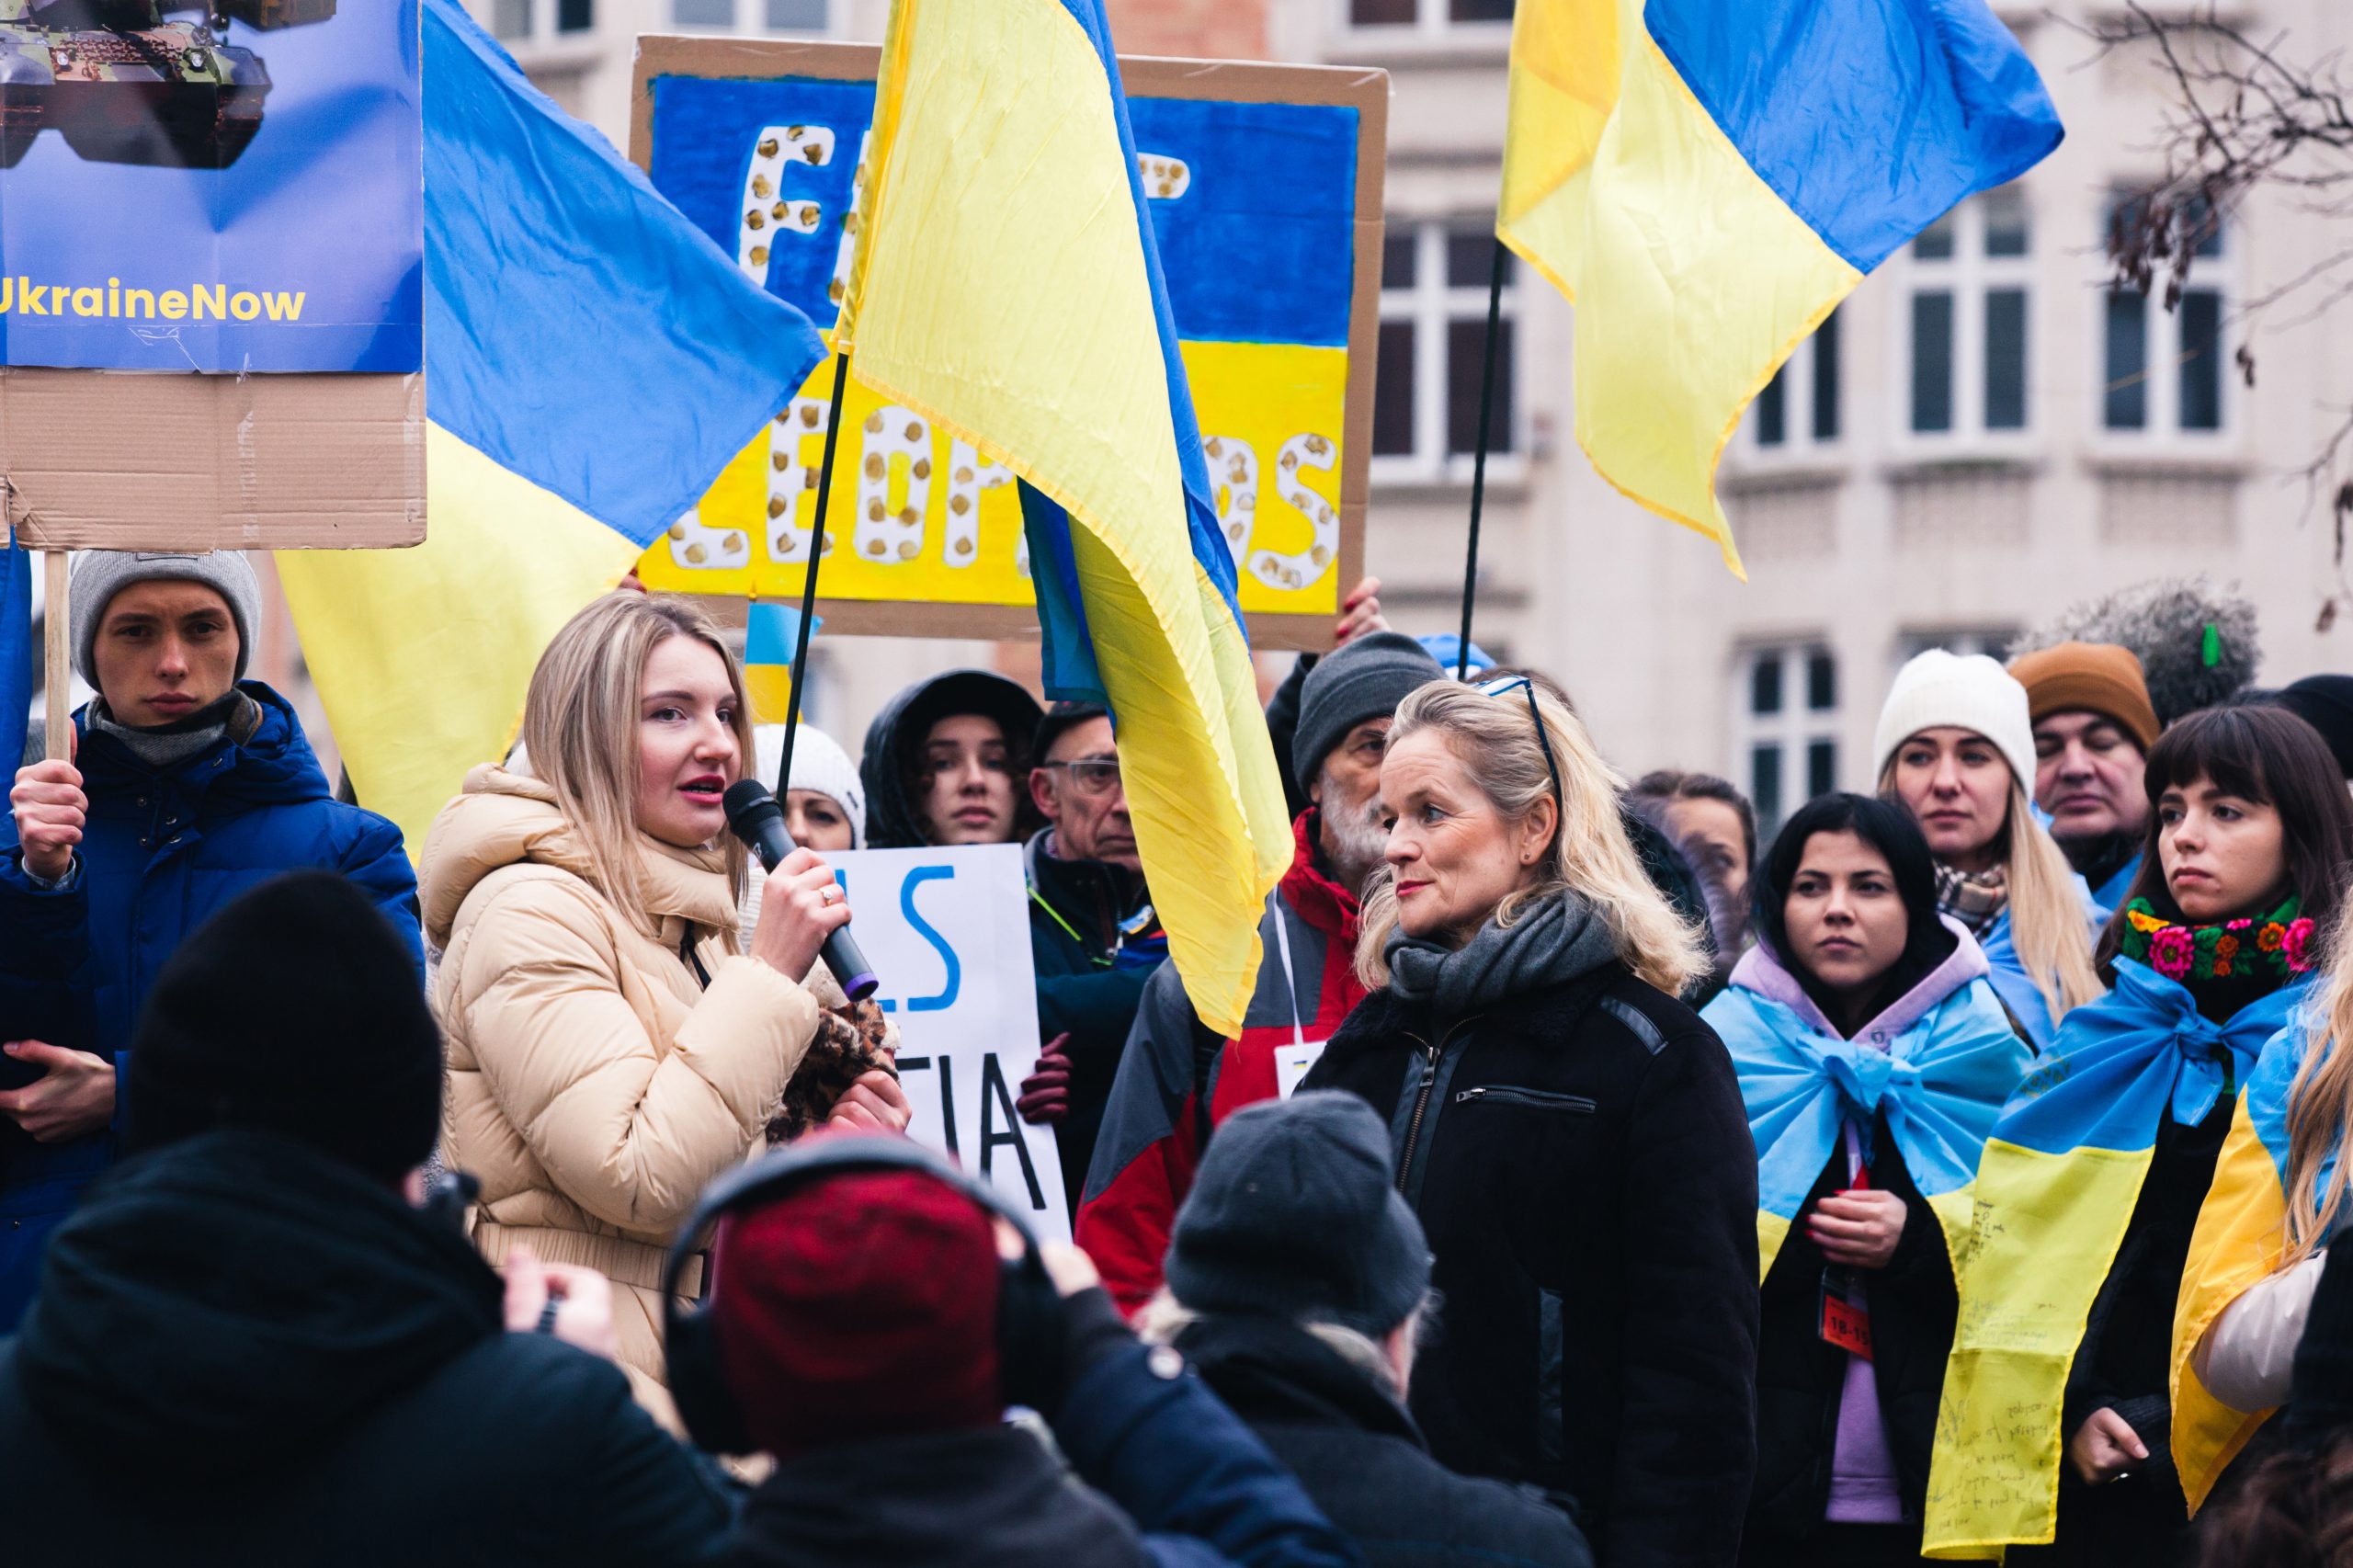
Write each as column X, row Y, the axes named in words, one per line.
column 1940, row 1082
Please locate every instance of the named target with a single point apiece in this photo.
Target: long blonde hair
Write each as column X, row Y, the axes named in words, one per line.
column 2048, row 923
column 580, row 729
column 2320, row 1105
column 1590, row 854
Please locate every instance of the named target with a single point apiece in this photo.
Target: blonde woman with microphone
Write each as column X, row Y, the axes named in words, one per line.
column 614, row 1041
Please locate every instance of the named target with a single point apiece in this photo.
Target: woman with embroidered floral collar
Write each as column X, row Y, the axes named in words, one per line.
column 2248, row 839
column 1955, row 746
column 1874, row 1058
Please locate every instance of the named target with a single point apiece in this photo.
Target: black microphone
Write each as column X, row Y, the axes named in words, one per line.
column 754, row 816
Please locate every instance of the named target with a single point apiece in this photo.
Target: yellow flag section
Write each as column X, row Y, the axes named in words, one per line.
column 1003, row 289
column 2241, row 1240
column 419, row 668
column 1993, row 1478
column 1706, row 180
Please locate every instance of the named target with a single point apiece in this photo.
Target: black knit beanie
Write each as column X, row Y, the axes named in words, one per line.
column 1365, row 679
column 2326, row 702
column 1295, row 1214
column 299, row 1008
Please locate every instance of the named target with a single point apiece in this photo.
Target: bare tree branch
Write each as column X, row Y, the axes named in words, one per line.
column 2244, row 118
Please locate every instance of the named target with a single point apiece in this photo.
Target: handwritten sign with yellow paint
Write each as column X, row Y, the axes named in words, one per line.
column 1263, row 183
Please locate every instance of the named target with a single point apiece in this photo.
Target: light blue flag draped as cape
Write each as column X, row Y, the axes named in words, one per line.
column 1941, row 1082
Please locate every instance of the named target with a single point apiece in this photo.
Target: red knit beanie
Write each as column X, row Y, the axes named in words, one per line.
column 863, row 1307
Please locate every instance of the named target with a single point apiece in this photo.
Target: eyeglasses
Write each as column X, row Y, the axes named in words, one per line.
column 1091, row 775
column 1528, row 689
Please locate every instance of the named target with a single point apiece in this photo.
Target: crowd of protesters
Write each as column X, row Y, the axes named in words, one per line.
column 1599, row 1173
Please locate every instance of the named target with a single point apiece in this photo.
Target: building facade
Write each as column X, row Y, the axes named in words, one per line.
column 1984, row 434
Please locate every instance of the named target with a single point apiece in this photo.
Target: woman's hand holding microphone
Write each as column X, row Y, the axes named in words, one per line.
column 800, row 905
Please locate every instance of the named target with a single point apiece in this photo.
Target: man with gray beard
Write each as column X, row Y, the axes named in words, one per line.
column 1178, row 1079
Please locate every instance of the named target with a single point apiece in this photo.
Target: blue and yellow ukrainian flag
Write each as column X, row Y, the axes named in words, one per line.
column 591, row 362
column 1708, row 178
column 1009, row 287
column 2055, row 1195
column 771, row 631
column 2241, row 1239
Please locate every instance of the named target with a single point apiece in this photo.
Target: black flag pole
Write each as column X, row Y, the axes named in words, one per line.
column 1479, row 459
column 808, row 584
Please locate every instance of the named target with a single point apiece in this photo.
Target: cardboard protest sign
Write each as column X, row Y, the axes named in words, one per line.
column 240, row 198
column 230, row 196
column 948, row 932
column 1264, row 188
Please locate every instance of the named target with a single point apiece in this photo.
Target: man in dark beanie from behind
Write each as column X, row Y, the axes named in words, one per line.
column 251, row 1345
column 857, row 1326
column 1178, row 1079
column 1297, row 1284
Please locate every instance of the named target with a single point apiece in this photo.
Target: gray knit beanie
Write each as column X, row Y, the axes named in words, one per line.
column 1364, row 679
column 1294, row 1213
column 99, row 574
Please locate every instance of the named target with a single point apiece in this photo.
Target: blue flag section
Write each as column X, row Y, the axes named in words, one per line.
column 15, row 651
column 242, row 192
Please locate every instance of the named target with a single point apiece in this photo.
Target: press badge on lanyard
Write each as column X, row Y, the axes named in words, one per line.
column 1292, row 1061
column 1845, row 1319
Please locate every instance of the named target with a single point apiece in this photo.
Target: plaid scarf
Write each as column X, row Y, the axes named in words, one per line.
column 1974, row 898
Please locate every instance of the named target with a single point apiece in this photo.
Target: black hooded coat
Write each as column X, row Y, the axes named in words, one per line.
column 246, row 1352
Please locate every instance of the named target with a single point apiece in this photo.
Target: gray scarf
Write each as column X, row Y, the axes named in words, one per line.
column 165, row 744
column 1555, row 939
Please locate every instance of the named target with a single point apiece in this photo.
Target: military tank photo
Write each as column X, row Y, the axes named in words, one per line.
column 125, row 83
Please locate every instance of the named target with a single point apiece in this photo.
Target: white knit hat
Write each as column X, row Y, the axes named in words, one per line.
column 818, row 763
column 1962, row 691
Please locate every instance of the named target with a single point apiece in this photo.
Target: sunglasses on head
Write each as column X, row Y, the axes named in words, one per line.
column 1527, row 688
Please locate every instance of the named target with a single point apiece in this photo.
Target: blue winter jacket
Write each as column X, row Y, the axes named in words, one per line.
column 161, row 850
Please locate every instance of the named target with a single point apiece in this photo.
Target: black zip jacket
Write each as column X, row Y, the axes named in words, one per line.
column 1580, row 1158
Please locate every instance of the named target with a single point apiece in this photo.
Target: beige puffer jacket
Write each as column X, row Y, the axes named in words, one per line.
column 595, row 1087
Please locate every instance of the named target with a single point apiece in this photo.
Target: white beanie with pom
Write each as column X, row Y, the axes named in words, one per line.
column 818, row 763
column 1970, row 691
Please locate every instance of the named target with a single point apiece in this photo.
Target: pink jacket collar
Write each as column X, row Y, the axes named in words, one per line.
column 1760, row 972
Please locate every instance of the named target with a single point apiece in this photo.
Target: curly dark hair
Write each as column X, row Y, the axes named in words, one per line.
column 2294, row 1510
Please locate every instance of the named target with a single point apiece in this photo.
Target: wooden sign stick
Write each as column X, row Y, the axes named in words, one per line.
column 58, row 661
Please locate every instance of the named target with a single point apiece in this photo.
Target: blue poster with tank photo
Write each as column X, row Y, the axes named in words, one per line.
column 221, row 186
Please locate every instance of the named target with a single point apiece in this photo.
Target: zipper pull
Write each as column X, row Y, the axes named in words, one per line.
column 1467, row 1096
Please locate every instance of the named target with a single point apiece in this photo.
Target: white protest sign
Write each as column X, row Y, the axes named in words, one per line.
column 947, row 933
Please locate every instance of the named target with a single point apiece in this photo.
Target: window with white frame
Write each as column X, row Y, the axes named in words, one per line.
column 752, row 15
column 1425, row 15
column 1970, row 340
column 2162, row 370
column 1785, row 732
column 1432, row 345
column 1800, row 406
